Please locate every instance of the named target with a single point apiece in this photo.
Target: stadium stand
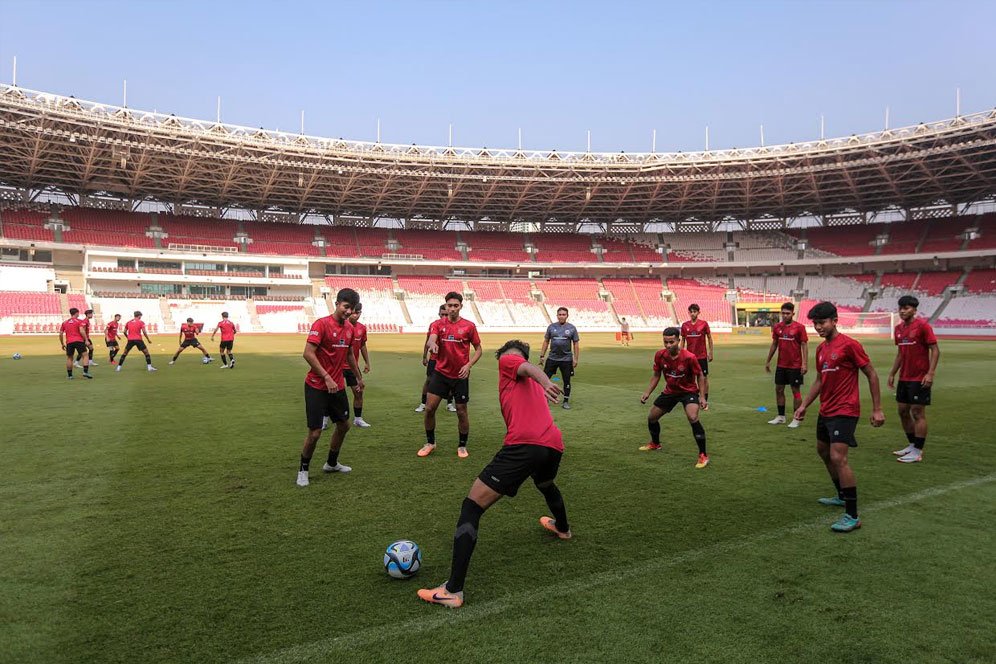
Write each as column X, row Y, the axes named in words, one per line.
column 581, row 297
column 431, row 245
column 711, row 299
column 25, row 225
column 107, row 228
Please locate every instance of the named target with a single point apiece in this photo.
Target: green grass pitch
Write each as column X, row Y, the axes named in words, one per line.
column 154, row 517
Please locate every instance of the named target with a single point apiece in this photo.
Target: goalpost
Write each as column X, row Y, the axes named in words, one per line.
column 871, row 322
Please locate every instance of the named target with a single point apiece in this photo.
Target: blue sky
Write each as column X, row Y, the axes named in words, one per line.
column 555, row 69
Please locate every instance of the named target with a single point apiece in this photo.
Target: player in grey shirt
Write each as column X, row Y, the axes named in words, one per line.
column 563, row 341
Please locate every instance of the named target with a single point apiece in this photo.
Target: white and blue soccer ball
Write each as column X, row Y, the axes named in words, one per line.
column 17, row 356
column 402, row 559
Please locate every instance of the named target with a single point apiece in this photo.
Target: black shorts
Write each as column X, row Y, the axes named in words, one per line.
column 566, row 367
column 445, row 387
column 513, row 464
column 135, row 344
column 704, row 364
column 350, row 378
column 837, row 429
column 190, row 342
column 667, row 402
column 913, row 393
column 226, row 345
column 430, row 368
column 74, row 347
column 111, row 343
column 319, row 404
column 790, row 377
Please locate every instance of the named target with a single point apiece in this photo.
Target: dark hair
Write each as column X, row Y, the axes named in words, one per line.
column 788, row 306
column 518, row 345
column 672, row 332
column 74, row 311
column 349, row 296
column 909, row 301
column 358, row 308
column 564, row 309
column 117, row 315
column 137, row 314
column 822, row 311
column 442, row 308
column 190, row 320
column 453, row 295
column 693, row 307
column 88, row 311
column 224, row 314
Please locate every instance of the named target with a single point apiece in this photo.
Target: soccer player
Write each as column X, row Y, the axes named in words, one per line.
column 695, row 334
column 359, row 347
column 838, row 360
column 683, row 383
column 451, row 342
column 188, row 337
column 624, row 332
column 74, row 339
column 916, row 362
column 532, row 448
column 134, row 330
column 559, row 338
column 111, row 337
column 327, row 351
column 789, row 338
column 89, row 344
column 228, row 333
column 429, row 362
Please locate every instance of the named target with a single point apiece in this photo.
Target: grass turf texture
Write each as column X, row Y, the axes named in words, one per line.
column 154, row 517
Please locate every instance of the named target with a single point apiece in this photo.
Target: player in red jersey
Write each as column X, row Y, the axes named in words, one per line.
column 86, row 322
column 111, row 337
column 134, row 330
column 916, row 362
column 838, row 360
column 228, row 333
column 533, row 448
column 327, row 351
column 683, row 383
column 73, row 338
column 188, row 337
column 696, row 337
column 451, row 341
column 429, row 362
column 359, row 347
column 789, row 338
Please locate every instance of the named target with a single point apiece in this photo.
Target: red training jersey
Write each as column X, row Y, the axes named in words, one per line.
column 454, row 340
column 189, row 331
column 790, row 338
column 85, row 324
column 914, row 340
column 359, row 338
column 71, row 328
column 332, row 340
column 679, row 372
column 838, row 361
column 433, row 329
column 524, row 407
column 111, row 331
column 227, row 328
column 695, row 337
column 133, row 329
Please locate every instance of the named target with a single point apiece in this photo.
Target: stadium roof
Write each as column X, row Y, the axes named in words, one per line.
column 48, row 141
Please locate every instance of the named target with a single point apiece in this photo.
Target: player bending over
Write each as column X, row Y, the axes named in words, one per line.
column 684, row 381
column 327, row 351
column 916, row 361
column 533, row 447
column 789, row 338
column 838, row 360
column 188, row 337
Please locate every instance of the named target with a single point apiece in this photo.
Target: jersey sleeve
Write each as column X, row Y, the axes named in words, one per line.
column 315, row 336
column 696, row 367
column 546, row 335
column 657, row 362
column 929, row 337
column 508, row 366
column 774, row 332
column 574, row 334
column 475, row 338
column 706, row 329
column 803, row 335
column 859, row 355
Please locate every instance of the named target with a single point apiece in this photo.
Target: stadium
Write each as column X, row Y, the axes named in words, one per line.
column 154, row 516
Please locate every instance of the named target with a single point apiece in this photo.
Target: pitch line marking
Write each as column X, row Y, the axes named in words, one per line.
column 315, row 649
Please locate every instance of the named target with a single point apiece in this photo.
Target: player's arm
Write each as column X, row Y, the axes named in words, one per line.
column 366, row 358
column 577, row 352
column 771, row 354
column 878, row 417
column 896, row 365
column 546, row 344
column 814, row 391
column 551, row 389
column 654, row 380
column 180, row 339
column 355, row 368
column 432, row 343
column 804, row 352
column 216, row 328
column 311, row 357
column 709, row 341
column 465, row 369
column 146, row 333
column 935, row 355
column 425, row 351
column 62, row 339
column 700, row 380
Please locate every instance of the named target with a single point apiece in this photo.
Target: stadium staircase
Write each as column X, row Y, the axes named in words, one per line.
column 254, row 315
column 398, row 293
column 64, row 305
column 923, row 236
column 869, row 298
column 948, row 294
column 167, row 314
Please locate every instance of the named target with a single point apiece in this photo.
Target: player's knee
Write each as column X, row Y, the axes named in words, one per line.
column 918, row 412
column 838, row 455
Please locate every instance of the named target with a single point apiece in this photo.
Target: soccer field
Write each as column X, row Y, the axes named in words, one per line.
column 154, row 517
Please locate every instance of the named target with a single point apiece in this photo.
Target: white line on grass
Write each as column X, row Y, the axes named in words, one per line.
column 446, row 617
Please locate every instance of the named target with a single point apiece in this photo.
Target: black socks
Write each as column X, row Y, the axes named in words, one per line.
column 463, row 439
column 781, row 409
column 430, row 436
column 655, row 432
column 305, row 463
column 699, row 433
column 555, row 501
column 464, row 541
column 850, row 496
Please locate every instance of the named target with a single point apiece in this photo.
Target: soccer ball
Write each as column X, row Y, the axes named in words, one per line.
column 402, row 559
column 204, row 360
column 17, row 356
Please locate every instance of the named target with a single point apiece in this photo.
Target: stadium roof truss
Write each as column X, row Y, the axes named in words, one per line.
column 78, row 148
